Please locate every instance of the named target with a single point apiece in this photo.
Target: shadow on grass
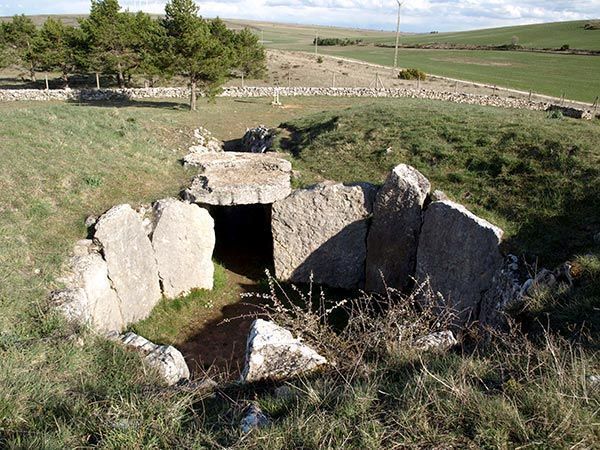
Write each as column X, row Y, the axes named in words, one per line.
column 129, row 103
column 296, row 138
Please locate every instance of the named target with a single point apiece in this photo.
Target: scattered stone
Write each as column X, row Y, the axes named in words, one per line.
column 131, row 263
column 238, row 179
column 253, row 418
column 441, row 340
column 183, row 242
column 89, row 298
column 458, row 254
column 90, row 221
column 322, row 231
column 272, row 353
column 594, row 380
column 206, row 143
column 258, row 140
column 166, row 359
column 394, row 234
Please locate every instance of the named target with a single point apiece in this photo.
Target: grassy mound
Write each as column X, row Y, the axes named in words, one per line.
column 537, row 177
column 62, row 388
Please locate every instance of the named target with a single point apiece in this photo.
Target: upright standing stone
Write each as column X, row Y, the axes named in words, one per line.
column 88, row 297
column 131, row 262
column 458, row 253
column 394, row 234
column 323, row 230
column 183, row 241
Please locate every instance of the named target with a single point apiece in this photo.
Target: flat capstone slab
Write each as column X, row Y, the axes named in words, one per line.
column 232, row 178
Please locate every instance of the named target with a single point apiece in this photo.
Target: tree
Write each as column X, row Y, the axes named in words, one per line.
column 59, row 47
column 114, row 39
column 249, row 53
column 19, row 36
column 199, row 50
column 151, row 47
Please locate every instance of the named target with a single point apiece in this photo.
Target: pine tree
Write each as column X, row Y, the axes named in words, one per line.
column 114, row 40
column 198, row 49
column 19, row 36
column 59, row 47
column 249, row 53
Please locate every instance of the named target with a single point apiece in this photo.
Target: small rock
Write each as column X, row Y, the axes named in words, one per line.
column 594, row 380
column 272, row 353
column 166, row 359
column 441, row 340
column 90, row 221
column 258, row 140
column 253, row 418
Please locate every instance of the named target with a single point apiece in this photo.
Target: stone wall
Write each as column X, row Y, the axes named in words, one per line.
column 89, row 95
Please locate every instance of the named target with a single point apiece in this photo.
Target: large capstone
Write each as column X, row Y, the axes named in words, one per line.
column 88, row 297
column 458, row 255
column 131, row 263
column 231, row 178
column 183, row 241
column 272, row 353
column 165, row 359
column 323, row 231
column 394, row 233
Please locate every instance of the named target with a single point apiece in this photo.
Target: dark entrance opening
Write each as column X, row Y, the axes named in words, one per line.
column 244, row 247
column 244, row 240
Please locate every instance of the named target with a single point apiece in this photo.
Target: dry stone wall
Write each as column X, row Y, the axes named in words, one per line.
column 91, row 95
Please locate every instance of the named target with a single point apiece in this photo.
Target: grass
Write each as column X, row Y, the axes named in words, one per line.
column 63, row 388
column 537, row 177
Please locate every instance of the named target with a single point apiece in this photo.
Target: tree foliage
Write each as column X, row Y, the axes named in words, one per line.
column 120, row 43
column 19, row 36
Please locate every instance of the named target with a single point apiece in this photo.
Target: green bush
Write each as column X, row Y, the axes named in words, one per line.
column 412, row 74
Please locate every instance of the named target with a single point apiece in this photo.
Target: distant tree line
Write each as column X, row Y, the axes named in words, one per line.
column 344, row 42
column 123, row 44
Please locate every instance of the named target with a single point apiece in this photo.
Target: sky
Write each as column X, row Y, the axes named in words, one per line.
column 417, row 15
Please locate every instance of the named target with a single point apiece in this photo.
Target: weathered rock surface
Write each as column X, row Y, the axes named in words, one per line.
column 238, row 178
column 131, row 263
column 394, row 234
column 166, row 359
column 272, row 353
column 441, row 340
column 183, row 241
column 458, row 253
column 88, row 298
column 258, row 140
column 323, row 230
column 505, row 292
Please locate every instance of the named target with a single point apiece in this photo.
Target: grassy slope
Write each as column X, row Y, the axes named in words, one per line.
column 520, row 169
column 61, row 162
column 545, row 35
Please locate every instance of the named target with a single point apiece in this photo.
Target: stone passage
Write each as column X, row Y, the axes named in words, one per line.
column 232, row 178
column 115, row 280
column 323, row 231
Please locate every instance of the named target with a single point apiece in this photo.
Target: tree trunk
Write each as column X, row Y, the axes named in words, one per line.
column 193, row 96
column 120, row 77
column 32, row 74
column 65, row 78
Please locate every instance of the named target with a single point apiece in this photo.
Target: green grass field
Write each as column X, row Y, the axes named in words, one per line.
column 534, row 175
